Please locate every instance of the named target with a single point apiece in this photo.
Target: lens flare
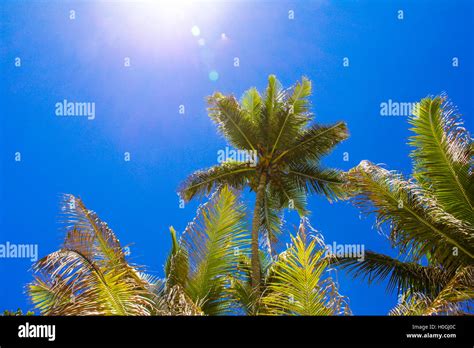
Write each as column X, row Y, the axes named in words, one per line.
column 213, row 75
column 195, row 30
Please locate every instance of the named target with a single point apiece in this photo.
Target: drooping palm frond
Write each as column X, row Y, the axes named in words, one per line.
column 402, row 275
column 315, row 180
column 213, row 243
column 455, row 298
column 271, row 220
column 297, row 284
column 89, row 275
column 233, row 174
column 417, row 223
column 430, row 217
column 286, row 193
column 414, row 304
column 77, row 218
column 48, row 296
column 457, row 293
column 443, row 157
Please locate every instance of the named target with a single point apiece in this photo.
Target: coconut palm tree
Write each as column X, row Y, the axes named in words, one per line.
column 211, row 263
column 90, row 275
column 430, row 216
column 277, row 129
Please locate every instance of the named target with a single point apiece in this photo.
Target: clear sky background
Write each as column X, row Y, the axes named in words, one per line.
column 137, row 108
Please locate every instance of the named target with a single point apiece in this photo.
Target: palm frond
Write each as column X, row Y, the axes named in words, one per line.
column 177, row 263
column 315, row 180
column 313, row 143
column 402, row 276
column 286, row 194
column 273, row 100
column 455, row 298
column 271, row 220
column 298, row 285
column 417, row 223
column 232, row 122
column 247, row 299
column 293, row 115
column 173, row 300
column 233, row 174
column 214, row 241
column 89, row 274
column 48, row 295
column 87, row 226
column 251, row 104
column 443, row 157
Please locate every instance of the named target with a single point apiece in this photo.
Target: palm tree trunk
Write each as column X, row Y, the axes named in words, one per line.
column 255, row 227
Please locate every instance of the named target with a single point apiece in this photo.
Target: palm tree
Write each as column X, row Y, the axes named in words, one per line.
column 89, row 275
column 430, row 216
column 211, row 263
column 277, row 129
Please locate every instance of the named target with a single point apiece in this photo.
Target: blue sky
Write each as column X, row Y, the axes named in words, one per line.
column 137, row 107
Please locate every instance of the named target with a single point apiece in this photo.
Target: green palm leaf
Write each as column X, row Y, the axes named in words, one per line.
column 271, row 220
column 233, row 174
column 293, row 117
column 430, row 217
column 455, row 298
column 177, row 263
column 402, row 276
column 251, row 104
column 315, row 180
column 213, row 243
column 443, row 156
column 89, row 274
column 313, row 143
column 416, row 221
column 297, row 285
column 232, row 122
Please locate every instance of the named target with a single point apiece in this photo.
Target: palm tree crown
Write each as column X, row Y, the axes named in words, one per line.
column 89, row 275
column 277, row 127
